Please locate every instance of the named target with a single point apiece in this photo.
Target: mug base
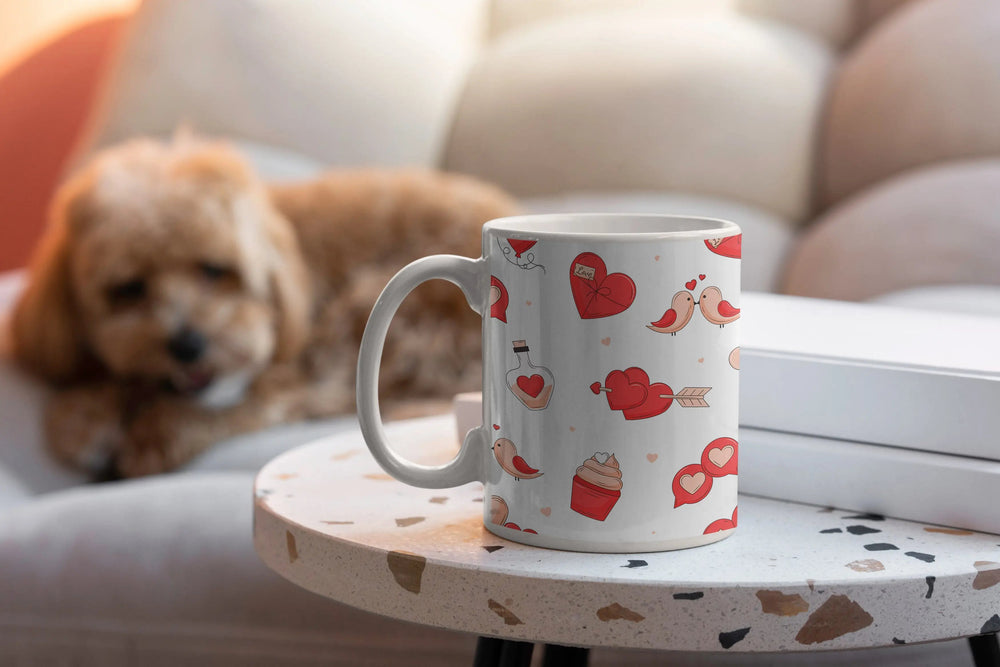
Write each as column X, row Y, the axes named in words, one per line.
column 617, row 547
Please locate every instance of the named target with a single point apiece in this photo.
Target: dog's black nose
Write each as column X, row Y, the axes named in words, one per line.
column 187, row 345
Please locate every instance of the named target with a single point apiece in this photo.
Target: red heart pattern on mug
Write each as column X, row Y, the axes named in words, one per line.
column 691, row 284
column 727, row 246
column 595, row 292
column 720, row 457
column 631, row 392
column 531, row 385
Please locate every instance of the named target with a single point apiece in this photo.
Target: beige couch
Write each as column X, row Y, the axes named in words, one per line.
column 855, row 141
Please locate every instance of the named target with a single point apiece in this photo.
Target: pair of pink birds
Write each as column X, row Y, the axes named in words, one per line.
column 715, row 309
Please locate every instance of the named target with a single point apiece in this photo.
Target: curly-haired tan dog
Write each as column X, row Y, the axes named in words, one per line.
column 177, row 300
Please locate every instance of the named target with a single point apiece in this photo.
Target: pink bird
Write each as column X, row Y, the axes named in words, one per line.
column 677, row 316
column 715, row 309
column 514, row 465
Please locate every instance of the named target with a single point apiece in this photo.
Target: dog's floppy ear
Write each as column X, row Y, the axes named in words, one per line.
column 45, row 328
column 290, row 287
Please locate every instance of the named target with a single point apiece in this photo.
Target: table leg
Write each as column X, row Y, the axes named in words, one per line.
column 492, row 652
column 488, row 652
column 985, row 650
column 565, row 656
column 516, row 654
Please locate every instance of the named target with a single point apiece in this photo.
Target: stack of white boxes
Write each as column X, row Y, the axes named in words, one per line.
column 871, row 408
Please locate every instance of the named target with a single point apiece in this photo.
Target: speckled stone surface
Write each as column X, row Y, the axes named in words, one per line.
column 792, row 577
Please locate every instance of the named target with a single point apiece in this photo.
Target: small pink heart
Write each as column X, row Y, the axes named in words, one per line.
column 701, row 360
column 496, row 428
column 656, row 259
column 701, row 276
column 606, row 341
column 652, row 457
column 546, row 511
column 572, row 429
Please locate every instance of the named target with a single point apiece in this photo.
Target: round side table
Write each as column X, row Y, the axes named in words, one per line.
column 793, row 578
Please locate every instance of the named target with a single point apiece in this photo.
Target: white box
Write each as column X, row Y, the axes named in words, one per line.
column 873, row 374
column 907, row 484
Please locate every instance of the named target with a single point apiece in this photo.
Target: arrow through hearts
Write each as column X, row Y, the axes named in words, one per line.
column 631, row 392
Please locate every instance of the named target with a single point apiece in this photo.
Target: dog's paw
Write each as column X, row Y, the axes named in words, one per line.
column 84, row 431
column 140, row 462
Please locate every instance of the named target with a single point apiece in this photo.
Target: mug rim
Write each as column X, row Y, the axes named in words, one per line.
column 608, row 226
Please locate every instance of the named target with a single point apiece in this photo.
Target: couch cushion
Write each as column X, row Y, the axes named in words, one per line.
column 830, row 20
column 923, row 86
column 766, row 237
column 722, row 106
column 933, row 226
column 250, row 452
column 342, row 82
column 162, row 572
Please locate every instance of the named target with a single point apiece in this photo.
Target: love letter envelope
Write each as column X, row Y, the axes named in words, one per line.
column 596, row 293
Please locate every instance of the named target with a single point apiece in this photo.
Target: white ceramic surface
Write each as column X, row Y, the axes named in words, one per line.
column 610, row 394
column 793, row 578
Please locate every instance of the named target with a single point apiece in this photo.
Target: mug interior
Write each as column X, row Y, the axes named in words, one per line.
column 622, row 225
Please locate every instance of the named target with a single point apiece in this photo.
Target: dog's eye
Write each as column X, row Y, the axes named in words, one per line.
column 127, row 292
column 214, row 272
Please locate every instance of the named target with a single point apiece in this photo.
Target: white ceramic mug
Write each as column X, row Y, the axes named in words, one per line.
column 610, row 380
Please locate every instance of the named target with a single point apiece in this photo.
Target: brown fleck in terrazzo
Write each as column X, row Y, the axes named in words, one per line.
column 836, row 617
column 343, row 456
column 293, row 551
column 379, row 477
column 438, row 500
column 779, row 604
column 509, row 618
column 615, row 611
column 408, row 521
column 948, row 531
column 407, row 569
column 866, row 565
column 989, row 574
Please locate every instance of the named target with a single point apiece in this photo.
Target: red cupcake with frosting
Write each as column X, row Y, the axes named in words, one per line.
column 597, row 486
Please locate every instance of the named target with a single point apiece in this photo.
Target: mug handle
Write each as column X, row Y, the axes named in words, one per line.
column 467, row 464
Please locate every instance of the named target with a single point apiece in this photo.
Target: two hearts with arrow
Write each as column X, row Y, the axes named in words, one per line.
column 631, row 392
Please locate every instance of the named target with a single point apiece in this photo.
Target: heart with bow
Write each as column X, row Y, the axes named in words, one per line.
column 595, row 292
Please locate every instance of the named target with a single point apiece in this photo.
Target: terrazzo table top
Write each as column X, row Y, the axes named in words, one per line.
column 792, row 577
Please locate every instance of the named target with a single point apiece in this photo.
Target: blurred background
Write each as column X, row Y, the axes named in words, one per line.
column 855, row 141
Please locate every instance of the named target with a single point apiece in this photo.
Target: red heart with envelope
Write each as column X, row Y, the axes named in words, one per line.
column 595, row 292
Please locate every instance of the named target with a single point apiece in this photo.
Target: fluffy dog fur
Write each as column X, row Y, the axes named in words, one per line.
column 176, row 300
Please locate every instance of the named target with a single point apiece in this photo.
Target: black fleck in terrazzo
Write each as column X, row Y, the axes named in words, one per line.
column 927, row 558
column 731, row 638
column 696, row 595
column 780, row 584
